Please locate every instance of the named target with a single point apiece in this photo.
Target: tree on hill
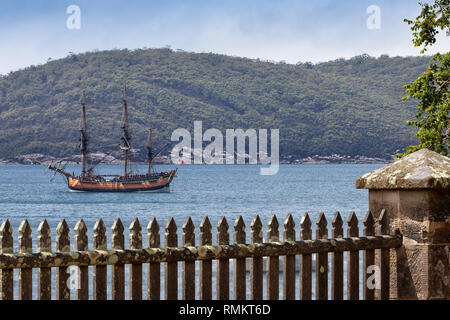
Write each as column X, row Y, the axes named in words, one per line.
column 347, row 106
column 432, row 87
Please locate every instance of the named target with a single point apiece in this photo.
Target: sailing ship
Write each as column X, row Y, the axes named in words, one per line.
column 129, row 181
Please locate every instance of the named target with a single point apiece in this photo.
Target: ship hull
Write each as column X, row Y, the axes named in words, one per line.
column 158, row 185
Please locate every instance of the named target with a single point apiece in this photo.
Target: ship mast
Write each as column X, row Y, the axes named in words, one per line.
column 126, row 137
column 149, row 149
column 84, row 137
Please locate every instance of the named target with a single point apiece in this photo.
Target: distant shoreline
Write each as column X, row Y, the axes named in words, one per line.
column 27, row 159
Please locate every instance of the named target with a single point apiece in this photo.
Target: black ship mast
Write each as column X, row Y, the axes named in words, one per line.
column 84, row 137
column 149, row 150
column 126, row 137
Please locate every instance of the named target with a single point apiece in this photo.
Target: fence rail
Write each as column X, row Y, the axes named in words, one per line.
column 375, row 242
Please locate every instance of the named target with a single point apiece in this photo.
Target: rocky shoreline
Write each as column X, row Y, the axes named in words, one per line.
column 109, row 159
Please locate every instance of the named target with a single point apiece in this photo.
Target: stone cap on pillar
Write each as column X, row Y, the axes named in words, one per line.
column 423, row 169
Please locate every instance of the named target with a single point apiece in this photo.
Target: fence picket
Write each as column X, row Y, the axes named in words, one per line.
column 171, row 272
column 353, row 260
column 6, row 275
column 337, row 264
column 118, row 270
column 383, row 229
column 375, row 249
column 44, row 274
column 239, row 264
column 81, row 244
column 205, row 265
column 305, row 260
column 153, row 269
column 289, row 261
column 321, row 260
column 25, row 274
column 100, row 272
column 368, row 257
column 256, row 269
column 273, row 269
column 135, row 284
column 223, row 265
column 62, row 275
column 188, row 280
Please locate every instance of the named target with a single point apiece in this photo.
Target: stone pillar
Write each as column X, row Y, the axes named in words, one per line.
column 415, row 191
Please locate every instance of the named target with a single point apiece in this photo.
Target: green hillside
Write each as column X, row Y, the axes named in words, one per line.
column 349, row 107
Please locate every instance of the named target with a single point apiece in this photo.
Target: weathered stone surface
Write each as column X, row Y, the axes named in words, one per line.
column 414, row 192
column 423, row 169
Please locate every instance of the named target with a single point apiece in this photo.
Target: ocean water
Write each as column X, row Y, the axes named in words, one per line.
column 31, row 192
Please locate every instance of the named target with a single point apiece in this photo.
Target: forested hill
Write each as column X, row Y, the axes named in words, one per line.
column 347, row 107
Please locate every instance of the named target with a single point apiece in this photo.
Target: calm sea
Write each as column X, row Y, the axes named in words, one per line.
column 30, row 192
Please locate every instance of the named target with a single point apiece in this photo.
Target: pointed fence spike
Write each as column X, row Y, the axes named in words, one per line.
column 117, row 237
column 305, row 227
column 63, row 237
column 135, row 234
column 62, row 227
column 24, row 228
column 188, row 225
column 321, row 220
column 153, row 225
column 321, row 229
column 369, row 224
column 205, row 225
column 171, row 237
column 272, row 229
column 80, row 227
column 24, row 239
column 171, row 225
column 188, row 233
column 99, row 239
column 6, row 238
column 337, row 230
column 239, row 230
column 205, row 232
column 117, row 226
column 44, row 239
column 256, row 234
column 352, row 230
column 223, row 236
column 81, row 239
column 153, row 237
column 289, row 228
column 135, row 226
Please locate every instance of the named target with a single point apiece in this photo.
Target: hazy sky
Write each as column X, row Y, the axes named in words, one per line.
column 290, row 30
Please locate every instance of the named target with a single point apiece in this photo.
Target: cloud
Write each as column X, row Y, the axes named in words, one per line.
column 273, row 30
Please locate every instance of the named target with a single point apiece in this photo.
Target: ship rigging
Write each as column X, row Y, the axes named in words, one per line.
column 128, row 182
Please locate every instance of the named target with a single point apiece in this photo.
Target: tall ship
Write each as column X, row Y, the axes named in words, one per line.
column 129, row 181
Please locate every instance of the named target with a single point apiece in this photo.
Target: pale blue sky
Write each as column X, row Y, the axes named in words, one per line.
column 290, row 30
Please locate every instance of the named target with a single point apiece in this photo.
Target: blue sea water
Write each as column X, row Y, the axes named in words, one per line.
column 28, row 192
